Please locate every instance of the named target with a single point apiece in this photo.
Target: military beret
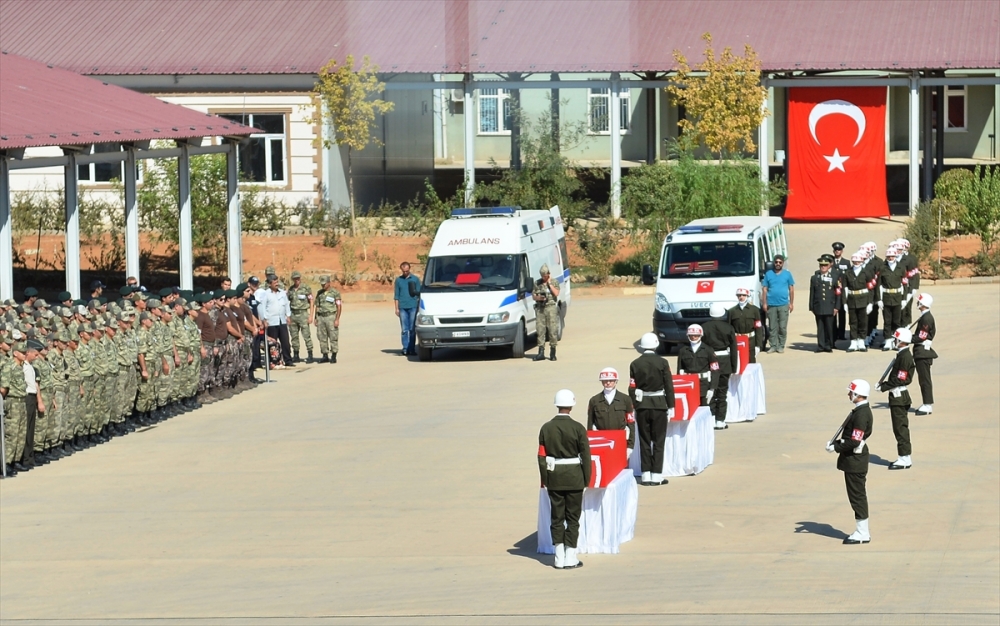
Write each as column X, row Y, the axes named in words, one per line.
column 232, row 293
column 324, row 279
column 219, row 293
column 34, row 344
column 198, row 290
column 837, row 245
column 240, row 288
column 102, row 300
column 166, row 291
column 79, row 302
column 30, row 292
column 185, row 293
column 126, row 291
column 296, row 274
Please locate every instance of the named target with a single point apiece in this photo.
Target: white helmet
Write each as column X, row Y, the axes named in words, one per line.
column 649, row 341
column 857, row 257
column 904, row 243
column 925, row 300
column 903, row 335
column 859, row 387
column 717, row 310
column 608, row 373
column 742, row 291
column 870, row 246
column 891, row 251
column 695, row 329
column 565, row 398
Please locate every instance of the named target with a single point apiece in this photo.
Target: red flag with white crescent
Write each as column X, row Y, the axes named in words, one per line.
column 836, row 153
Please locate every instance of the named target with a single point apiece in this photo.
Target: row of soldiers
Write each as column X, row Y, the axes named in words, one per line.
column 77, row 373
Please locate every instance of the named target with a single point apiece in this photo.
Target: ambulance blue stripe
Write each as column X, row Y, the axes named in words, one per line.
column 511, row 299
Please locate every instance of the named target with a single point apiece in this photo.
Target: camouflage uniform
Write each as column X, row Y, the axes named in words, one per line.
column 328, row 305
column 300, row 300
column 15, row 412
column 546, row 315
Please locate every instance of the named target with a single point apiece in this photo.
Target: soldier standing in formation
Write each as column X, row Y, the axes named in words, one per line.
column 651, row 388
column 840, row 264
column 612, row 409
column 923, row 352
column 720, row 336
column 697, row 358
column 328, row 309
column 564, row 467
column 746, row 321
column 824, row 302
column 546, row 297
column 857, row 301
column 303, row 307
column 890, row 300
column 851, row 443
column 911, row 281
column 895, row 383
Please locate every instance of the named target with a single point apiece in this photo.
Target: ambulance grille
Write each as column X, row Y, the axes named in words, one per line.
column 461, row 320
column 694, row 313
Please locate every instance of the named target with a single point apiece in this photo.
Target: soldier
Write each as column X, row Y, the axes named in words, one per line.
column 564, row 467
column 911, row 282
column 30, row 294
column 698, row 358
column 857, row 298
column 328, row 309
column 874, row 264
column 45, row 426
column 851, row 444
column 824, row 302
column 612, row 409
column 895, row 383
column 149, row 369
column 75, row 409
column 303, row 306
column 720, row 336
column 745, row 320
column 546, row 296
column 14, row 389
column 923, row 352
column 651, row 388
column 208, row 351
column 890, row 300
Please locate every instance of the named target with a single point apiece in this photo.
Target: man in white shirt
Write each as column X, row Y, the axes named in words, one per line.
column 32, row 401
column 275, row 313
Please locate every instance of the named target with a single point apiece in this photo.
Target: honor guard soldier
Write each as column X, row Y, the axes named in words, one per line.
column 328, row 310
column 890, row 300
column 874, row 265
column 612, row 409
column 721, row 338
column 850, row 443
column 923, row 352
column 546, row 297
column 900, row 375
column 824, row 302
column 698, row 358
column 303, row 306
column 912, row 280
column 651, row 387
column 564, row 467
column 746, row 321
column 857, row 296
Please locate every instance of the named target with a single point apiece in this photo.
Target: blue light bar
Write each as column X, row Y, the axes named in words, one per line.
column 493, row 211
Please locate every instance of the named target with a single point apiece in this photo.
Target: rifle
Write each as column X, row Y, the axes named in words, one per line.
column 889, row 368
column 841, row 429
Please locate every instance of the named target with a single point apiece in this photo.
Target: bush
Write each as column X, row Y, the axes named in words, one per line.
column 981, row 197
column 947, row 190
column 331, row 237
column 922, row 230
column 599, row 246
column 349, row 263
column 261, row 211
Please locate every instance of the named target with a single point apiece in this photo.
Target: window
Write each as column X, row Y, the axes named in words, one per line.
column 708, row 260
column 485, row 272
column 105, row 172
column 600, row 112
column 263, row 159
column 494, row 111
column 955, row 108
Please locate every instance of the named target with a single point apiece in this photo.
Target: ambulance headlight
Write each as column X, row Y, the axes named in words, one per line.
column 497, row 318
column 661, row 303
column 425, row 320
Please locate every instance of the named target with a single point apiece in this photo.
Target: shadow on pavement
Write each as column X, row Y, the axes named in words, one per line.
column 815, row 528
column 526, row 548
column 803, row 346
column 875, row 459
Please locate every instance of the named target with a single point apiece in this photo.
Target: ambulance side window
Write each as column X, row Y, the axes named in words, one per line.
column 525, row 274
column 761, row 256
column 563, row 252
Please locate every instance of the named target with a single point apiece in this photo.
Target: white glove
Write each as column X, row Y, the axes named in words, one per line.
column 880, row 305
column 628, row 453
column 868, row 309
column 829, row 447
column 670, row 414
column 709, row 394
column 909, row 297
column 927, row 344
column 756, row 350
column 845, row 307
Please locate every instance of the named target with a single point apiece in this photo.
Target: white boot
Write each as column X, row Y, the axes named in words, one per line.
column 903, row 462
column 647, row 477
column 854, row 346
column 721, row 425
column 925, row 409
column 571, row 560
column 657, row 479
column 560, row 556
column 888, row 345
column 860, row 534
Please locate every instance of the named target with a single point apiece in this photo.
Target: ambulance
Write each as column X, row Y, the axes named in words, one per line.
column 703, row 262
column 476, row 291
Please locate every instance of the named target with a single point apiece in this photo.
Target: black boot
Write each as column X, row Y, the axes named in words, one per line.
column 325, row 359
column 295, row 358
column 309, row 358
column 552, row 353
column 541, row 354
column 333, row 357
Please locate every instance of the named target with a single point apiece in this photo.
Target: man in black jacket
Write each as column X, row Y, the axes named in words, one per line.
column 824, row 302
column 851, row 443
column 923, row 352
column 651, row 387
column 721, row 338
column 612, row 409
column 896, row 382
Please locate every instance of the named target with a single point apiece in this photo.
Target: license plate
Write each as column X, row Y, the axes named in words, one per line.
column 461, row 333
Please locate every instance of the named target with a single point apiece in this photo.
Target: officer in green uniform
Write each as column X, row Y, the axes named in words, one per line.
column 302, row 305
column 651, row 388
column 564, row 467
column 720, row 336
column 546, row 296
column 612, row 409
column 745, row 320
column 45, row 423
column 890, row 291
column 824, row 302
column 850, row 443
column 328, row 309
column 923, row 352
column 895, row 383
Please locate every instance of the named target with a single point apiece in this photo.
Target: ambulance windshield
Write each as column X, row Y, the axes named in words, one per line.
column 707, row 258
column 483, row 272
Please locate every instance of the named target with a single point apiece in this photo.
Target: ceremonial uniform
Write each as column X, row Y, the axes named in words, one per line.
column 618, row 414
column 300, row 301
column 746, row 321
column 856, row 284
column 875, row 266
column 720, row 337
column 328, row 306
column 891, row 297
column 853, row 460
column 924, row 355
column 896, row 383
column 705, row 364
column 840, row 265
column 824, row 302
column 911, row 284
column 564, row 468
column 651, row 388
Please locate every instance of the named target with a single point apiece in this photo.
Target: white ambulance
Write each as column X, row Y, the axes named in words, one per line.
column 476, row 290
column 704, row 262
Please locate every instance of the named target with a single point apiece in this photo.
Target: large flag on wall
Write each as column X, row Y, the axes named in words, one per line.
column 836, row 153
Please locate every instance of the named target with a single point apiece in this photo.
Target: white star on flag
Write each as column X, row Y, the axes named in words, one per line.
column 836, row 161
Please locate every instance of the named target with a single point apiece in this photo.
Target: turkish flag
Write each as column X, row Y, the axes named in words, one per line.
column 836, row 153
column 607, row 456
column 687, row 396
column 743, row 348
column 705, row 286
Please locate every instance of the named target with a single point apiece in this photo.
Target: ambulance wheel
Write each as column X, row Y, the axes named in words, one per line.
column 560, row 323
column 517, row 349
column 424, row 354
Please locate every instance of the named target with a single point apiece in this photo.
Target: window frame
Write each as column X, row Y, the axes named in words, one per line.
column 502, row 97
column 956, row 90
column 624, row 101
column 286, row 145
column 91, row 181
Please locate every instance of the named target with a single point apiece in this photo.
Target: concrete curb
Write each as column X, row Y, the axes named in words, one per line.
column 971, row 280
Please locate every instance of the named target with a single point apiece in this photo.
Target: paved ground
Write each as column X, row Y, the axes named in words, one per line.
column 381, row 490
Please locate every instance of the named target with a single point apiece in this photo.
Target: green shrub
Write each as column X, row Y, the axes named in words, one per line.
column 981, row 197
column 599, row 246
column 922, row 230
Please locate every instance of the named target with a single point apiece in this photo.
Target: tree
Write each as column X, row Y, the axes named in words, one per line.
column 981, row 197
column 722, row 97
column 347, row 103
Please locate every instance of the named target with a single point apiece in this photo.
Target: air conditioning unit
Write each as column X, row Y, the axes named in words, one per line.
column 457, row 95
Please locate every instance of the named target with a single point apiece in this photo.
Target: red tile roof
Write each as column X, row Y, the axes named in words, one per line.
column 428, row 36
column 45, row 106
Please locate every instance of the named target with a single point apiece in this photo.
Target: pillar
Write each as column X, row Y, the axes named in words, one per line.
column 927, row 163
column 71, row 177
column 913, row 135
column 186, row 266
column 468, row 106
column 764, row 151
column 939, row 139
column 131, row 218
column 6, row 234
column 616, row 147
column 652, row 137
column 234, row 229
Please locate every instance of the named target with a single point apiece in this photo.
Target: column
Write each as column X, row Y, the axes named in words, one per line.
column 72, row 225
column 914, row 143
column 131, row 217
column 234, row 229
column 614, row 125
column 6, row 234
column 186, row 266
column 652, row 137
column 941, row 120
column 928, row 145
column 468, row 108
column 764, row 150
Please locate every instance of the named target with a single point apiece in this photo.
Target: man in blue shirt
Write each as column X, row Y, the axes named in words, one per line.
column 406, row 297
column 778, row 301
